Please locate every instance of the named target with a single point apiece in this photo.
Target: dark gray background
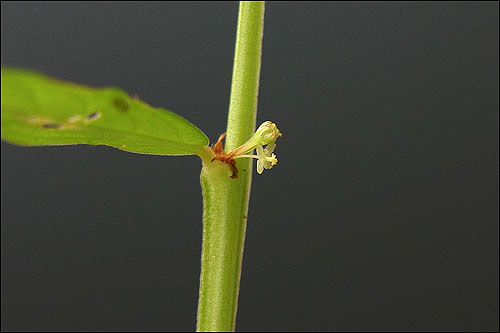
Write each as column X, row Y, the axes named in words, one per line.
column 382, row 213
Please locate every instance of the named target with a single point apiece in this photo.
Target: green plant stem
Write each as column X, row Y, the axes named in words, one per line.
column 225, row 200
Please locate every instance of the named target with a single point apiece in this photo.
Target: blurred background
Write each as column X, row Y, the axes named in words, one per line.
column 382, row 213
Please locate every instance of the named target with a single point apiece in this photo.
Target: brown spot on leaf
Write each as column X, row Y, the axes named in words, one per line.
column 121, row 104
column 51, row 125
column 93, row 115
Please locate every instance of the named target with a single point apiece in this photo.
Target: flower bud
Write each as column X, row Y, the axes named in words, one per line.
column 267, row 133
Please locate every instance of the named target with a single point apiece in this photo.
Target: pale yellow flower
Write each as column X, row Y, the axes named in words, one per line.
column 266, row 135
column 266, row 158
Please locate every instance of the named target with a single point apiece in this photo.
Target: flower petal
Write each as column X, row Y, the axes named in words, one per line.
column 270, row 148
column 260, row 167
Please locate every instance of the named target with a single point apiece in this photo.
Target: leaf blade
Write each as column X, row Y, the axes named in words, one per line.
column 38, row 110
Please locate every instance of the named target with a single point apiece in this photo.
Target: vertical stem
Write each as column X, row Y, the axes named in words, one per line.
column 246, row 74
column 225, row 200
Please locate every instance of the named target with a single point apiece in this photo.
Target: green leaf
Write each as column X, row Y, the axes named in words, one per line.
column 38, row 110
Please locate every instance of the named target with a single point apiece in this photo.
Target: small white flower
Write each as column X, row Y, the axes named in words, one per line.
column 266, row 158
column 266, row 135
